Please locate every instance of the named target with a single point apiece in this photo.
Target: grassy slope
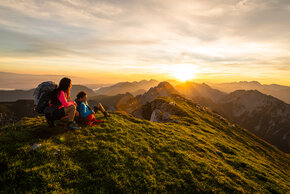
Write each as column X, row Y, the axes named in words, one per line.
column 128, row 154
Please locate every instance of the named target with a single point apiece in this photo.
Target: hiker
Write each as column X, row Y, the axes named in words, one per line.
column 60, row 98
column 86, row 113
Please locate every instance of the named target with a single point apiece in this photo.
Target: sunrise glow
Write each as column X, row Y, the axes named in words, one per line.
column 183, row 72
column 110, row 41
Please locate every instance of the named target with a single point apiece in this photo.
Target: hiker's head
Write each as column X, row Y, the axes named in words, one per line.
column 65, row 85
column 82, row 96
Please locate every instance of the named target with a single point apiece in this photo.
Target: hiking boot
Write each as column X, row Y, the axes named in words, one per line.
column 50, row 123
column 73, row 126
column 106, row 114
column 96, row 109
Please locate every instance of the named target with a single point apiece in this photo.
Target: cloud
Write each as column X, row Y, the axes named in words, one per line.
column 126, row 34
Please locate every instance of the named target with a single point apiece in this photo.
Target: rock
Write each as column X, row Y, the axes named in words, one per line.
column 166, row 116
column 138, row 113
column 167, row 108
column 156, row 116
column 161, row 117
column 176, row 121
column 35, row 146
column 219, row 153
column 56, row 152
column 172, row 103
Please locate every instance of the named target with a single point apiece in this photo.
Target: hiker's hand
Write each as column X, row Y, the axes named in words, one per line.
column 77, row 114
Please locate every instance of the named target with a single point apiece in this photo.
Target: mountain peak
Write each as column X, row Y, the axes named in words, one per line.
column 164, row 85
column 162, row 89
column 123, row 87
column 250, row 82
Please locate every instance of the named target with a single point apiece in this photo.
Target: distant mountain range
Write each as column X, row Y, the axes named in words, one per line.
column 14, row 95
column 278, row 91
column 264, row 115
column 29, row 81
column 195, row 91
column 121, row 102
column 134, row 88
column 128, row 102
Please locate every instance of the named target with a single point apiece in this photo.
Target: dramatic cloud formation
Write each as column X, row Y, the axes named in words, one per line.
column 225, row 40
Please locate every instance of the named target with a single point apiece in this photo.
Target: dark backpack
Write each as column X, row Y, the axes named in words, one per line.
column 43, row 95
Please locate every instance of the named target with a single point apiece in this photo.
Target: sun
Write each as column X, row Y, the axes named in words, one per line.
column 183, row 72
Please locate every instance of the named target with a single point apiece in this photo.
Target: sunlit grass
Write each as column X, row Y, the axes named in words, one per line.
column 126, row 154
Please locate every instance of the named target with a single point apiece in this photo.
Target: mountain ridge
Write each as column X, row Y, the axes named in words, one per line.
column 264, row 115
column 134, row 88
column 279, row 91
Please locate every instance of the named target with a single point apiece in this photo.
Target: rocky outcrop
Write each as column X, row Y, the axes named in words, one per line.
column 163, row 89
column 159, row 110
column 161, row 117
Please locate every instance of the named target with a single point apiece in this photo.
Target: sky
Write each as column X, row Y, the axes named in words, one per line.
column 109, row 40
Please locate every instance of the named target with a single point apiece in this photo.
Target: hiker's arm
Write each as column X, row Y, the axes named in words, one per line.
column 63, row 100
column 86, row 102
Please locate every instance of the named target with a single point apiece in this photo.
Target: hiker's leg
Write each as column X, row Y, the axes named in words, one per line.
column 58, row 114
column 90, row 119
column 70, row 112
column 102, row 109
column 49, row 120
column 96, row 108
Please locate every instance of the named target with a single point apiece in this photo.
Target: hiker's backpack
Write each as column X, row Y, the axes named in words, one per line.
column 42, row 95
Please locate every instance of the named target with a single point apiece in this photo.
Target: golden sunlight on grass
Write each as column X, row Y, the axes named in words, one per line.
column 183, row 72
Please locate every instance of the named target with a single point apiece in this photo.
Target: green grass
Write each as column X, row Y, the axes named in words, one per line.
column 126, row 154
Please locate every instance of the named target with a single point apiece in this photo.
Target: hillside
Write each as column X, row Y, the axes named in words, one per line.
column 14, row 111
column 261, row 114
column 14, row 95
column 201, row 153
